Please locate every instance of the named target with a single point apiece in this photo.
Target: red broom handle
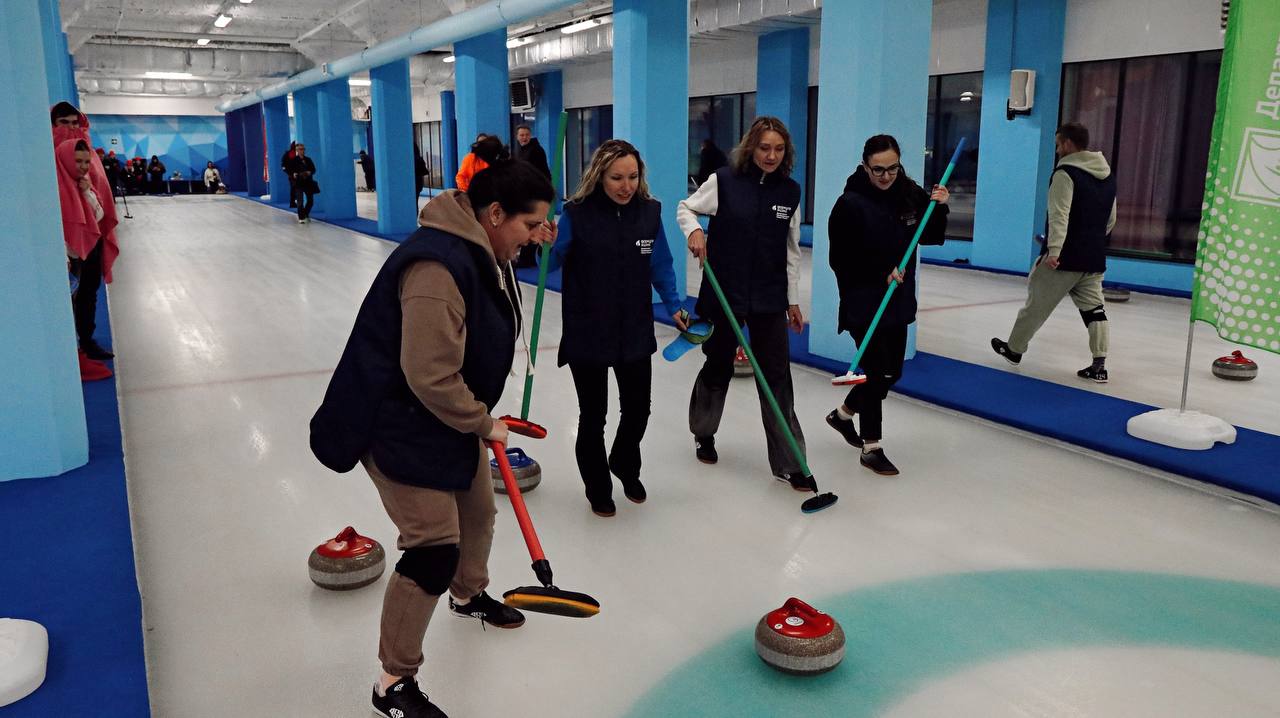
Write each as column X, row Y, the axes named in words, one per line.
column 517, row 501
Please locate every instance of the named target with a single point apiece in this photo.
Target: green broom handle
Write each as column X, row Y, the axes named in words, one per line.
column 902, row 267
column 755, row 368
column 545, row 259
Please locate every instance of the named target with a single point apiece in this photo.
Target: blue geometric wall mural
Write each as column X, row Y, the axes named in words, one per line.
column 184, row 143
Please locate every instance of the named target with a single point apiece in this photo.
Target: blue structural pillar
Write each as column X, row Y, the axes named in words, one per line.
column 651, row 100
column 782, row 87
column 42, row 425
column 549, row 89
column 1017, row 154
column 234, row 177
column 276, row 112
column 449, row 154
column 484, row 97
column 57, row 70
column 873, row 78
column 254, row 150
column 393, row 148
column 337, row 200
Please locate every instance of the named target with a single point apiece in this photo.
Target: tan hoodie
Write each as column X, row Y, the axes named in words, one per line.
column 1061, row 189
column 433, row 328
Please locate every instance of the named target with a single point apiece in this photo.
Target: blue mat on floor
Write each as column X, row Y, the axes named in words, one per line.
column 69, row 567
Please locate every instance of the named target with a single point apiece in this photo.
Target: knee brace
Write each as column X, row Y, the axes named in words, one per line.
column 1097, row 314
column 431, row 567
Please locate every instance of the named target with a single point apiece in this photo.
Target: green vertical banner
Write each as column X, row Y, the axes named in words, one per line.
column 1237, row 284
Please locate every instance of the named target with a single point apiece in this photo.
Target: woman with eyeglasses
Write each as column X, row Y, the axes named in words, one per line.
column 870, row 228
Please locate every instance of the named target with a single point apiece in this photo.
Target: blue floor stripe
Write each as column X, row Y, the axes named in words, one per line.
column 69, row 566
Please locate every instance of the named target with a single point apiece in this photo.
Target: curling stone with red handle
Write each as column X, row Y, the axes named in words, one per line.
column 347, row 561
column 741, row 364
column 1235, row 367
column 527, row 472
column 799, row 639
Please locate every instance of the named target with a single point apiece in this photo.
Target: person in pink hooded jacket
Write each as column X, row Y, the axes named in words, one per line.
column 71, row 124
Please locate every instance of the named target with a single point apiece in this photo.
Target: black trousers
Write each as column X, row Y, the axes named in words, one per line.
column 771, row 348
column 591, row 381
column 882, row 362
column 84, row 303
column 305, row 199
column 293, row 191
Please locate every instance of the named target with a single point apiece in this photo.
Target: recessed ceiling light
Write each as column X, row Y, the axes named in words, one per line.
column 202, row 41
column 358, row 82
column 154, row 74
column 222, row 21
column 449, row 58
column 586, row 25
column 518, row 41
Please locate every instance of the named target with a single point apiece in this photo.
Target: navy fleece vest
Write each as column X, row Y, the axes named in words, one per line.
column 747, row 241
column 369, row 407
column 608, row 295
column 1085, row 248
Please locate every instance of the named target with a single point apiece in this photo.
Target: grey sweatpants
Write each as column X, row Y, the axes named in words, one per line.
column 1045, row 289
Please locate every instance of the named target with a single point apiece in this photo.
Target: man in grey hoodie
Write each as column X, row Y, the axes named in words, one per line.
column 1082, row 213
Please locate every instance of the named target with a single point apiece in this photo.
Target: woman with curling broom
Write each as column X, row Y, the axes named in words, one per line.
column 411, row 399
column 870, row 228
column 753, row 242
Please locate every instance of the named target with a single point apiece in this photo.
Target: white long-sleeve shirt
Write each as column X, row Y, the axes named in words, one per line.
column 706, row 201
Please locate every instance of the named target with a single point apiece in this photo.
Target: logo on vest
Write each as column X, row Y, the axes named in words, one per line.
column 645, row 245
column 781, row 211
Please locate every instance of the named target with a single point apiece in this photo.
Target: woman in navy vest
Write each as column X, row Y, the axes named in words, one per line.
column 870, row 228
column 753, row 243
column 613, row 250
column 411, row 400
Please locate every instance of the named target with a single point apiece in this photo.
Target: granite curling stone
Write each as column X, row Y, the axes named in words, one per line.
column 1115, row 294
column 527, row 472
column 799, row 639
column 741, row 364
column 347, row 561
column 1235, row 367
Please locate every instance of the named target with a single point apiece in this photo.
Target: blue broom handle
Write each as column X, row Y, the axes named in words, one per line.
column 906, row 258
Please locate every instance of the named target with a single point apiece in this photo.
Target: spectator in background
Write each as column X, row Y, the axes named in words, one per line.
column 710, row 159
column 366, row 166
column 286, row 165
column 529, row 150
column 419, row 172
column 213, row 180
column 111, row 164
column 303, row 172
column 486, row 150
column 156, row 170
column 96, row 258
column 139, row 175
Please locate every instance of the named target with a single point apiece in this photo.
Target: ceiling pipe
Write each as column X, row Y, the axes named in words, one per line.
column 479, row 20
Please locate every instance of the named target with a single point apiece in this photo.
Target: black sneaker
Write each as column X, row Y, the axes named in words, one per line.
column 95, row 351
column 1002, row 348
column 488, row 611
column 1098, row 376
column 705, row 449
column 800, row 482
column 845, row 427
column 878, row 462
column 405, row 700
column 604, row 508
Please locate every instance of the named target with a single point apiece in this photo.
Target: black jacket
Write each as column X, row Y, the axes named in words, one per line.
column 1085, row 249
column 296, row 167
column 534, row 155
column 369, row 406
column 747, row 241
column 870, row 230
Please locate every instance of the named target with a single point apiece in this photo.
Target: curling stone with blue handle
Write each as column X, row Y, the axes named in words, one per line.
column 527, row 472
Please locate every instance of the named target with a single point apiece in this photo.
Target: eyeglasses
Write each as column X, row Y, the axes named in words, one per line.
column 879, row 171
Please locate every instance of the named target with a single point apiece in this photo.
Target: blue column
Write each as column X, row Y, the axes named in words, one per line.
column 337, row 199
column 484, row 97
column 549, row 89
column 782, row 88
column 393, row 148
column 42, row 426
column 254, row 148
column 651, row 100
column 235, row 151
column 276, row 111
column 449, row 155
column 53, row 43
column 1017, row 155
column 887, row 41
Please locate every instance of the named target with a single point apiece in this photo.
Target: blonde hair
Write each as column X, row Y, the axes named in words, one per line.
column 606, row 154
column 743, row 153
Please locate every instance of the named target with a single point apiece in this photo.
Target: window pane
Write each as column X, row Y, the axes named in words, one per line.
column 958, row 114
column 573, row 151
column 699, row 130
column 749, row 113
column 1090, row 95
column 1201, row 101
column 811, row 152
column 726, row 120
column 1150, row 141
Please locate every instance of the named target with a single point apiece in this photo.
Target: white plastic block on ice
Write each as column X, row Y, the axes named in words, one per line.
column 1181, row 429
column 24, row 652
